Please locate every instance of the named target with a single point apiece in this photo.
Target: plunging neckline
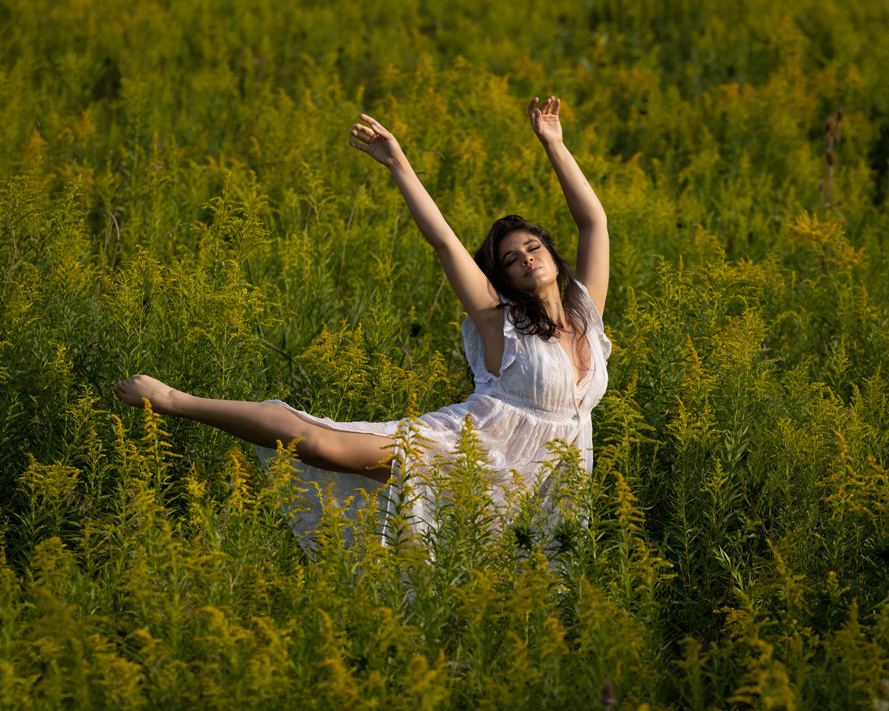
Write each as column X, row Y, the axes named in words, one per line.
column 577, row 383
column 577, row 386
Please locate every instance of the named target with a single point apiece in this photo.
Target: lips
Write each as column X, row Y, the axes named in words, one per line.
column 532, row 271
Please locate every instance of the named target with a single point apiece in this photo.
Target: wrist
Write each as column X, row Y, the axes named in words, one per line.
column 400, row 165
column 399, row 162
column 553, row 143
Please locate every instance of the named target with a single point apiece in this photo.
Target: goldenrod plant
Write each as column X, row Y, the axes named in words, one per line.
column 177, row 197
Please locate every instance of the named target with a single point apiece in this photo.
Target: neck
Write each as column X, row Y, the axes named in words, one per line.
column 552, row 300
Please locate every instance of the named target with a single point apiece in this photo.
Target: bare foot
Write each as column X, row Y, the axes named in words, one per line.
column 160, row 395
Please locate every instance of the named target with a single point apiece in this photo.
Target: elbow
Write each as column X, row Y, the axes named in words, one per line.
column 600, row 219
column 595, row 221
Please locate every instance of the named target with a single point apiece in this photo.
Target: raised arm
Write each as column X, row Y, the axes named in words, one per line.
column 587, row 211
column 469, row 282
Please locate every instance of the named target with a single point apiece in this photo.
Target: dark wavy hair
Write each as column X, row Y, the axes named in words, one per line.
column 526, row 310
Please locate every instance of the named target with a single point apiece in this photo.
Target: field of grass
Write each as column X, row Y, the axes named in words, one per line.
column 177, row 197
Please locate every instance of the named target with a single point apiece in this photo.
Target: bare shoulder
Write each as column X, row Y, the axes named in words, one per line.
column 490, row 326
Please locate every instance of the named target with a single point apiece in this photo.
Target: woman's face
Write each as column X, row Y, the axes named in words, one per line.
column 526, row 261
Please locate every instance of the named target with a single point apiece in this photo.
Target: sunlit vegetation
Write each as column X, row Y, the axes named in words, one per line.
column 177, row 197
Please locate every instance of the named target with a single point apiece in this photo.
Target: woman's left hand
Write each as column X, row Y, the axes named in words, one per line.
column 545, row 119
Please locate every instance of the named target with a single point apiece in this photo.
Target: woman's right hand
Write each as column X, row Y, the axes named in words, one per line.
column 376, row 141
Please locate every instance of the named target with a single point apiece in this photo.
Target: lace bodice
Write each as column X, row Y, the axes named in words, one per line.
column 537, row 375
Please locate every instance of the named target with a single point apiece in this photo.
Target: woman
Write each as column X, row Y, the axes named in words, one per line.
column 533, row 336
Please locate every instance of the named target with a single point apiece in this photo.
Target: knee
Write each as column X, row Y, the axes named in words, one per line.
column 288, row 428
column 309, row 441
column 320, row 447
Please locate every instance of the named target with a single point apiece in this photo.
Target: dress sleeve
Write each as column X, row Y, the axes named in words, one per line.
column 596, row 323
column 474, row 345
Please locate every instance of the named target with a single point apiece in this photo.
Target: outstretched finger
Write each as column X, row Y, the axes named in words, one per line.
column 359, row 146
column 532, row 104
column 556, row 104
column 376, row 125
column 362, row 133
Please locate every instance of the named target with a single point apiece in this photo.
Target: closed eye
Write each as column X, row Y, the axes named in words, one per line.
column 532, row 247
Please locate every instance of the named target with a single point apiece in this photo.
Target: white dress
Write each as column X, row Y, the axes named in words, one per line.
column 533, row 401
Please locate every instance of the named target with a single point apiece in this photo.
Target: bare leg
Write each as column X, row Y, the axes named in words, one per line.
column 266, row 423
